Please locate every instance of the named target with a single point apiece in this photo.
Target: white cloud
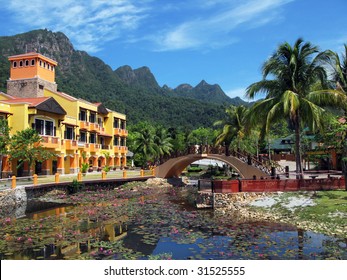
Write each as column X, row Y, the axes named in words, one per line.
column 87, row 23
column 218, row 26
column 173, row 25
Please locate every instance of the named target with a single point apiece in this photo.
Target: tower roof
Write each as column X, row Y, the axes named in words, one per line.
column 32, row 55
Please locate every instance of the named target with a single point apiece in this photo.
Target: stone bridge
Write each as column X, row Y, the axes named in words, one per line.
column 174, row 166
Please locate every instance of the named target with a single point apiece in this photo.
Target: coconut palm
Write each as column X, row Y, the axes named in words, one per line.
column 233, row 125
column 338, row 68
column 162, row 141
column 296, row 73
column 144, row 144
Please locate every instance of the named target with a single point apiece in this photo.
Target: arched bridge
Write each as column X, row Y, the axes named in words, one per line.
column 174, row 166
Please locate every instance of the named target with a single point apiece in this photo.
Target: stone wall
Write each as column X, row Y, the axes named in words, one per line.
column 29, row 87
column 13, row 202
column 225, row 201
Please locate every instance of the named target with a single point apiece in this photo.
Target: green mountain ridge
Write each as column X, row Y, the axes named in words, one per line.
column 133, row 92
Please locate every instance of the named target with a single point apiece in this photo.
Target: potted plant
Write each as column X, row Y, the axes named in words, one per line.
column 84, row 168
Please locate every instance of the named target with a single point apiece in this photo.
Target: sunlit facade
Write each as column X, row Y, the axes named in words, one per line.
column 74, row 129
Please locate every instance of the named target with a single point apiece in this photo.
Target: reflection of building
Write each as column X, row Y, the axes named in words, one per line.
column 75, row 130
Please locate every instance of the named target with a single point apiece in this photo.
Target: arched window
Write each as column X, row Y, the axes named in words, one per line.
column 44, row 65
column 32, row 62
column 21, row 63
column 14, row 64
column 40, row 62
column 26, row 62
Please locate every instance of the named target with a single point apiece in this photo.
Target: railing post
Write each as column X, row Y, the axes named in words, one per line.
column 103, row 175
column 14, row 182
column 35, row 179
column 79, row 176
column 124, row 173
column 153, row 171
column 56, row 177
column 142, row 173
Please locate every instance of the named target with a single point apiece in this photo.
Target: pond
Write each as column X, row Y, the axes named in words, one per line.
column 152, row 223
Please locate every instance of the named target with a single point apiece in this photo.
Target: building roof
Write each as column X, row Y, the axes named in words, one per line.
column 32, row 55
column 47, row 104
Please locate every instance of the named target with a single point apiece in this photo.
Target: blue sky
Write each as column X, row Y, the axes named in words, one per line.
column 223, row 42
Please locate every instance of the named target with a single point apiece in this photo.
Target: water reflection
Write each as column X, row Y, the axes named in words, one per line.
column 155, row 225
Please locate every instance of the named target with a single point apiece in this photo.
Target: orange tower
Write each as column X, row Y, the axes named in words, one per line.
column 30, row 73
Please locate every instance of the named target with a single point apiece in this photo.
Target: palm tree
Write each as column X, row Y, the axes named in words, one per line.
column 233, row 125
column 338, row 68
column 162, row 141
column 296, row 70
column 144, row 144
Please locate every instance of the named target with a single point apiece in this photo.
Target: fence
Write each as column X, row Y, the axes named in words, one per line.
column 230, row 186
column 35, row 180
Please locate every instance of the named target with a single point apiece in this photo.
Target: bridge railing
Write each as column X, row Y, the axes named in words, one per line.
column 267, row 166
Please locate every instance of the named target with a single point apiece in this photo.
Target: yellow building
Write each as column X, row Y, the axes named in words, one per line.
column 74, row 129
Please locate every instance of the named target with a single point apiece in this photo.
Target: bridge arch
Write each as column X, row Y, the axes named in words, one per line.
column 175, row 166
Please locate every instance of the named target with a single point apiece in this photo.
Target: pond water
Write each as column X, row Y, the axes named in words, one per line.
column 148, row 223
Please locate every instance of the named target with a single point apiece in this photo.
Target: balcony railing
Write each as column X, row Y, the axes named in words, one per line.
column 120, row 132
column 120, row 149
column 69, row 144
column 50, row 141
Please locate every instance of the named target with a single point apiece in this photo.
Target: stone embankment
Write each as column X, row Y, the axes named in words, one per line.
column 13, row 201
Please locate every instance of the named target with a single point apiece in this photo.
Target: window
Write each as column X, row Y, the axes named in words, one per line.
column 92, row 118
column 14, row 64
column 69, row 133
column 115, row 123
column 21, row 63
column 116, row 141
column 32, row 62
column 44, row 64
column 83, row 115
column 122, row 125
column 49, row 128
column 26, row 62
column 40, row 126
column 40, row 62
column 92, row 138
column 83, row 136
column 122, row 141
column 100, row 122
column 44, row 127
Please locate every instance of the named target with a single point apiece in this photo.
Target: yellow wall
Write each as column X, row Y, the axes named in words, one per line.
column 19, row 119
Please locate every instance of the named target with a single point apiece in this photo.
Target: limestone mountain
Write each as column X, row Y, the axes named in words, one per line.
column 134, row 92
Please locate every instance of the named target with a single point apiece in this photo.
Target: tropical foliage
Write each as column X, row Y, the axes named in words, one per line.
column 295, row 92
column 25, row 147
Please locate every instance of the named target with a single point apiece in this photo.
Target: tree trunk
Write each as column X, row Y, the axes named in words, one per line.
column 344, row 162
column 1, row 156
column 299, row 172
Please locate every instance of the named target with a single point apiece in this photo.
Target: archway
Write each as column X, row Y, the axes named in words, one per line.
column 175, row 166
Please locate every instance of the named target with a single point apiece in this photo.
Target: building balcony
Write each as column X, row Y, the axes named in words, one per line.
column 50, row 142
column 120, row 132
column 93, row 147
column 94, row 127
column 84, row 125
column 120, row 149
column 69, row 144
